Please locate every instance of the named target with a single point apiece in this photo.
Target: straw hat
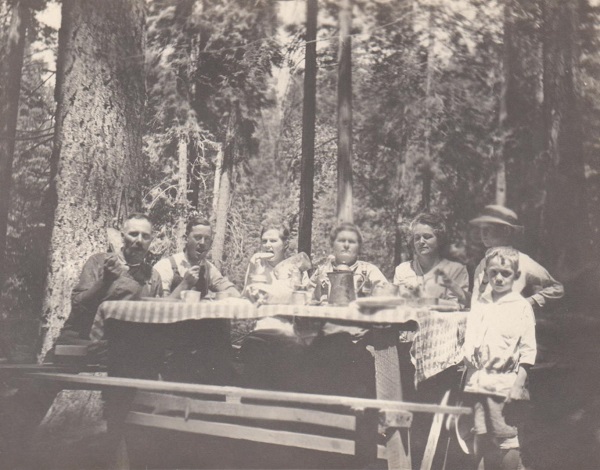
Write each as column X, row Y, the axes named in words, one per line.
column 496, row 214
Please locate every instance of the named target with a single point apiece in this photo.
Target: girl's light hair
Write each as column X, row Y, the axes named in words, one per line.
column 506, row 254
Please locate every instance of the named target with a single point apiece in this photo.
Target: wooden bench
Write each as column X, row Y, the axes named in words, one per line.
column 67, row 359
column 344, row 425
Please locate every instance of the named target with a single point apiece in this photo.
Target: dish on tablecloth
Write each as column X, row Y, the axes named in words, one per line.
column 159, row 299
column 379, row 302
column 445, row 308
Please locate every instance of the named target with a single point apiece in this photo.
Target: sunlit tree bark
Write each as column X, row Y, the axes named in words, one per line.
column 98, row 140
column 223, row 191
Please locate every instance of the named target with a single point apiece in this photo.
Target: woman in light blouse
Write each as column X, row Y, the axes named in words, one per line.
column 430, row 273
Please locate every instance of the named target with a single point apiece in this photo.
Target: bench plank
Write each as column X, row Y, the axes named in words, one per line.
column 158, row 386
column 247, row 433
column 163, row 404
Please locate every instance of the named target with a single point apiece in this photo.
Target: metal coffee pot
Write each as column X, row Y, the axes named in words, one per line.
column 342, row 290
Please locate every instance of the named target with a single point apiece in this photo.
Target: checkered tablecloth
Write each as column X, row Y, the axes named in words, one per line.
column 438, row 342
column 157, row 312
column 349, row 313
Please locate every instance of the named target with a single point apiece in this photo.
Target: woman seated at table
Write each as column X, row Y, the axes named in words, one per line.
column 430, row 274
column 270, row 351
column 337, row 362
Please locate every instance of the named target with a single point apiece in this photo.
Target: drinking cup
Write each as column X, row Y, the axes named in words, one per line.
column 221, row 295
column 299, row 297
column 190, row 296
column 385, row 290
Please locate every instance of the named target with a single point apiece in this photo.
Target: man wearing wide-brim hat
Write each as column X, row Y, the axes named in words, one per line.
column 499, row 226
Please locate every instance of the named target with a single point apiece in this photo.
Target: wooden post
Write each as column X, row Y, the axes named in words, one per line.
column 389, row 387
column 344, row 161
column 307, row 164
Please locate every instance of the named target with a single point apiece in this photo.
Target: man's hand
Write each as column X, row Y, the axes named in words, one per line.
column 191, row 277
column 113, row 267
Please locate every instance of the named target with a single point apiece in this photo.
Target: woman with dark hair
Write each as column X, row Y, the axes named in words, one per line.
column 430, row 274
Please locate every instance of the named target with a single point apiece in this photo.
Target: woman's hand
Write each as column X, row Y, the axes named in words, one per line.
column 445, row 281
column 409, row 287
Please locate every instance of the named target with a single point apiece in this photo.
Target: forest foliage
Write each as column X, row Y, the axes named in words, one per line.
column 427, row 81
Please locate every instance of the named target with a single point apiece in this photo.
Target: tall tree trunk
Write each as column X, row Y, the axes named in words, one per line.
column 503, row 128
column 344, row 160
column 182, row 199
column 224, row 190
column 307, row 172
column 98, row 141
column 565, row 234
column 425, row 171
column 11, row 65
column 217, row 183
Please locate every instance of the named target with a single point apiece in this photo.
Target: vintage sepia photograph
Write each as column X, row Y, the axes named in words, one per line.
column 300, row 234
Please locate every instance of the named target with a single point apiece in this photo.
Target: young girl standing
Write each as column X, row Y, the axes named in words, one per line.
column 499, row 349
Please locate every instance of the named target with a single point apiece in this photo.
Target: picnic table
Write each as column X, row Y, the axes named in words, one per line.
column 436, row 347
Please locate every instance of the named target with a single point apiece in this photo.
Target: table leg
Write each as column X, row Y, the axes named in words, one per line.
column 389, row 387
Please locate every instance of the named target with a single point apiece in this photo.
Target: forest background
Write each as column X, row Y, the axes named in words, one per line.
column 175, row 107
column 455, row 104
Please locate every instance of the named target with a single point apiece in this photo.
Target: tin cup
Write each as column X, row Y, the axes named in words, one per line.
column 299, row 297
column 385, row 290
column 221, row 295
column 190, row 296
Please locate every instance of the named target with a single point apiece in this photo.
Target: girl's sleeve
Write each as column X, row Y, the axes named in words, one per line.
column 528, row 344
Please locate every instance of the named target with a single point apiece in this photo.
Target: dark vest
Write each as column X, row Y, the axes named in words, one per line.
column 202, row 284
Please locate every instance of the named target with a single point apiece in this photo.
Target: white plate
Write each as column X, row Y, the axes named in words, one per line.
column 159, row 299
column 445, row 308
column 380, row 302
